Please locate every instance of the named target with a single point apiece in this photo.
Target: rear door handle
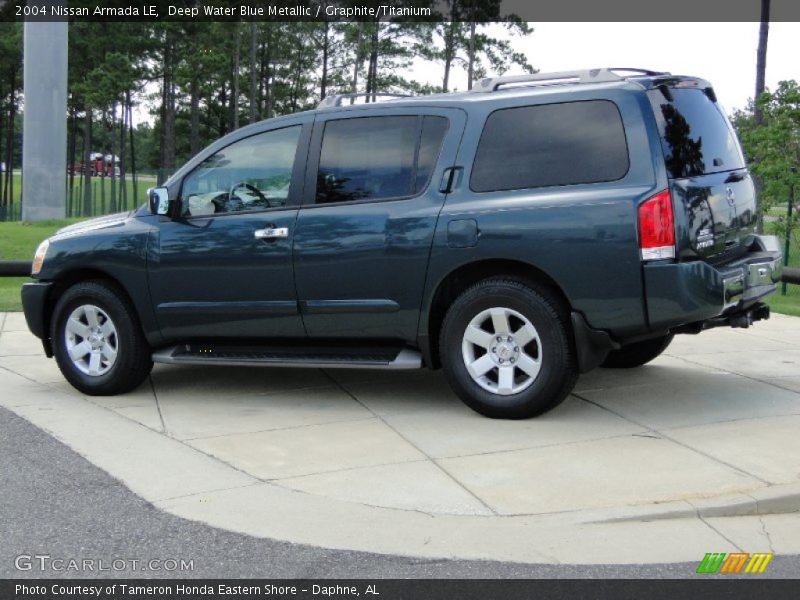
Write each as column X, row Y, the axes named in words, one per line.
column 449, row 177
column 271, row 233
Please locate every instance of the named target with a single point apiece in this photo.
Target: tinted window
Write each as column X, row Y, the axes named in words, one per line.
column 251, row 174
column 433, row 131
column 550, row 144
column 695, row 134
column 372, row 158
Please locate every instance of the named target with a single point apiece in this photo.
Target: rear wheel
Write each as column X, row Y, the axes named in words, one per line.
column 638, row 354
column 97, row 341
column 506, row 351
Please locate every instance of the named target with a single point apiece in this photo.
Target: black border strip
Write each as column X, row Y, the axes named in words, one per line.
column 599, row 11
column 391, row 589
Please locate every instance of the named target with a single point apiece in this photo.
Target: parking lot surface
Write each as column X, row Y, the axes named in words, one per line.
column 697, row 452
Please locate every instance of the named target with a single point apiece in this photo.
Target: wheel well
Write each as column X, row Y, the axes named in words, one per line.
column 67, row 280
column 462, row 278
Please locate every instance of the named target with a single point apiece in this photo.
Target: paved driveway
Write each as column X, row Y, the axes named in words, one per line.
column 697, row 452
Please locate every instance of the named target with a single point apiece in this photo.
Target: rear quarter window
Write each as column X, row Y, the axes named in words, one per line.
column 696, row 137
column 550, row 145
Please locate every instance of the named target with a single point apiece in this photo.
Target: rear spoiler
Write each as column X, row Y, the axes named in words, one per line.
column 664, row 84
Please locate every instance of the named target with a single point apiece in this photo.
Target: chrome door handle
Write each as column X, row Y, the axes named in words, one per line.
column 271, row 233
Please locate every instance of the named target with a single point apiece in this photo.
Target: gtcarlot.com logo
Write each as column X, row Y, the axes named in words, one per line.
column 734, row 563
column 46, row 562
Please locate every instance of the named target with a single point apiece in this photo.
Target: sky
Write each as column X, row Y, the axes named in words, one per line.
column 722, row 53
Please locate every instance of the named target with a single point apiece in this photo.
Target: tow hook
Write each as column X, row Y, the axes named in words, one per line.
column 741, row 319
column 745, row 318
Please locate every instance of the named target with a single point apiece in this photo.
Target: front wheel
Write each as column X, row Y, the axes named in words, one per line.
column 506, row 351
column 97, row 341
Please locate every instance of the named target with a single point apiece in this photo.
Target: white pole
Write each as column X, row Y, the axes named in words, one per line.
column 44, row 134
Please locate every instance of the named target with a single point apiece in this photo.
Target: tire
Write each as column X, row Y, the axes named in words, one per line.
column 638, row 354
column 537, row 341
column 95, row 322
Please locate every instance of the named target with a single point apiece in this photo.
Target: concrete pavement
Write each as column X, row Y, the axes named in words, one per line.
column 56, row 503
column 696, row 452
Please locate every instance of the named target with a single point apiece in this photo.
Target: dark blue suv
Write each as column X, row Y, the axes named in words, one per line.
column 517, row 235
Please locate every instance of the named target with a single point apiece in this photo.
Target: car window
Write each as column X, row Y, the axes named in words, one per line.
column 371, row 158
column 696, row 136
column 549, row 145
column 430, row 144
column 251, row 174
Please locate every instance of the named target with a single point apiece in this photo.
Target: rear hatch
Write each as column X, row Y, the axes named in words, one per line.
column 712, row 191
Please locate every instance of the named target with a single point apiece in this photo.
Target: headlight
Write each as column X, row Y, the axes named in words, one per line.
column 38, row 258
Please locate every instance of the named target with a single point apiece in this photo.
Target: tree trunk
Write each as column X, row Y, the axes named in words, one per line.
column 471, row 56
column 235, row 95
column 372, row 75
column 761, row 73
column 194, row 114
column 2, row 194
column 134, row 180
column 8, row 186
column 761, row 59
column 87, row 163
column 72, row 146
column 294, row 95
column 253, row 82
column 168, row 106
column 262, row 74
column 359, row 54
column 112, row 198
column 103, row 166
column 8, row 191
column 323, row 86
column 123, row 188
column 449, row 43
column 268, row 104
column 8, row 198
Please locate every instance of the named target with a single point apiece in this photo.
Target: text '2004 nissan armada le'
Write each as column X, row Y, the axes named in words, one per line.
column 516, row 235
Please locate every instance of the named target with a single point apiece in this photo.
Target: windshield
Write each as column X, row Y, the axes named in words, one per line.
column 696, row 136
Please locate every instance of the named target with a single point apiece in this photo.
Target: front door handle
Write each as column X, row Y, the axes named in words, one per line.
column 271, row 233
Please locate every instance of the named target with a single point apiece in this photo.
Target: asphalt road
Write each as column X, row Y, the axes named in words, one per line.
column 54, row 502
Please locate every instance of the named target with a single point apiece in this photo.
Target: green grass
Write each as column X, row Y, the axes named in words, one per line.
column 787, row 305
column 18, row 241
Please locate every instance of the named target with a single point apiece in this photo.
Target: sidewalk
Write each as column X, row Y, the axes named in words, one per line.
column 697, row 452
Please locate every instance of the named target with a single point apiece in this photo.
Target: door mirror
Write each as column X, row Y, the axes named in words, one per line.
column 159, row 200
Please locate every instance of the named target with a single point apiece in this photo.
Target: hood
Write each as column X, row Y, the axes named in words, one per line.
column 93, row 224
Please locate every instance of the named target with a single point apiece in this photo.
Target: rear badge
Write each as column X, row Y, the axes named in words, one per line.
column 705, row 238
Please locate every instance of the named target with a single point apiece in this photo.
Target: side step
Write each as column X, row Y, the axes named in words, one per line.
column 308, row 358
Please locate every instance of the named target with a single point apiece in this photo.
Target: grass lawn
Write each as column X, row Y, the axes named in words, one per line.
column 789, row 304
column 18, row 241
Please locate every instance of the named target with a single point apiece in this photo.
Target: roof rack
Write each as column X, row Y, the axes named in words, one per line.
column 605, row 75
column 337, row 99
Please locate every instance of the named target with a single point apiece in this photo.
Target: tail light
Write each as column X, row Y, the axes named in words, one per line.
column 657, row 227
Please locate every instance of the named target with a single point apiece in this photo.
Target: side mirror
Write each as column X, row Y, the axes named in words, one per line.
column 159, row 200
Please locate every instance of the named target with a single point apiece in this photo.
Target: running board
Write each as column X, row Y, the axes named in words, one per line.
column 389, row 359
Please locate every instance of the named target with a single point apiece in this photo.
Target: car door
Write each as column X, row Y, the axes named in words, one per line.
column 364, row 232
column 223, row 268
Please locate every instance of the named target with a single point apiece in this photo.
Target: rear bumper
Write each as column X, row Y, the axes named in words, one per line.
column 682, row 293
column 34, row 300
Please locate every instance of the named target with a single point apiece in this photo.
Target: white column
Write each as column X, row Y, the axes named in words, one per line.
column 44, row 134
